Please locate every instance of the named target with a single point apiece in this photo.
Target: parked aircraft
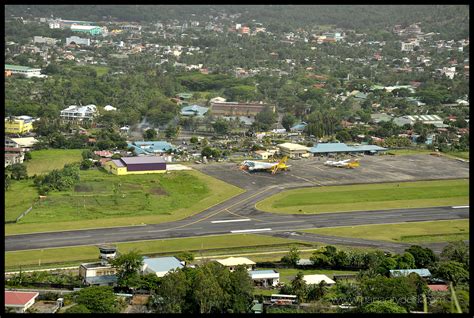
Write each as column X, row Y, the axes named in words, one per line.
column 348, row 163
column 272, row 167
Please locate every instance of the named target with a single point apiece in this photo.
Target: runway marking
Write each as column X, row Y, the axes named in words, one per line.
column 236, row 214
column 191, row 228
column 253, row 230
column 55, row 238
column 460, row 206
column 302, row 221
column 227, row 221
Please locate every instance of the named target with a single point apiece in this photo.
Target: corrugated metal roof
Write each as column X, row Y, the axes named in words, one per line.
column 342, row 147
column 162, row 264
column 141, row 160
column 264, row 271
column 423, row 272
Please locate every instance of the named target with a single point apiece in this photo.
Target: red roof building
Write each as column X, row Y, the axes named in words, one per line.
column 438, row 287
column 19, row 301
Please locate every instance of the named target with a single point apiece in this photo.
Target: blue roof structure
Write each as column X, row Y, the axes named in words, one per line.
column 299, row 127
column 264, row 271
column 423, row 272
column 194, row 110
column 162, row 264
column 151, row 147
column 342, row 147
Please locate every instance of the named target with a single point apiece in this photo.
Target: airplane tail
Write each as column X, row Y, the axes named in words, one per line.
column 281, row 165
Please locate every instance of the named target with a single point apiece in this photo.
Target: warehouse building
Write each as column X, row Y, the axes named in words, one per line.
column 293, row 150
column 24, row 70
column 91, row 29
column 335, row 148
column 136, row 165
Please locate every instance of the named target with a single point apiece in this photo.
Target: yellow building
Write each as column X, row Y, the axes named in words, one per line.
column 135, row 165
column 18, row 126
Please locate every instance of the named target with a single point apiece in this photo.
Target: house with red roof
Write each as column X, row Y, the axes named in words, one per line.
column 19, row 301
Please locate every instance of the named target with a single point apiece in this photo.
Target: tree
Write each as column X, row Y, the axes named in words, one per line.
column 241, row 290
column 456, row 251
column 171, row 131
column 405, row 261
column 87, row 153
column 172, row 291
column 98, row 299
column 193, row 140
column 292, row 257
column 207, row 292
column 287, row 121
column 186, row 256
column 206, row 152
column 452, row 271
column 221, row 126
column 317, row 291
column 383, row 307
column 265, row 119
column 424, row 257
column 150, row 134
column 86, row 164
column 78, row 309
column 298, row 286
column 401, row 290
column 128, row 266
column 27, row 156
column 18, row 171
column 343, row 136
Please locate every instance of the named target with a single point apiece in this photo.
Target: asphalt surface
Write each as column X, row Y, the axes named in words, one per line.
column 260, row 221
column 239, row 213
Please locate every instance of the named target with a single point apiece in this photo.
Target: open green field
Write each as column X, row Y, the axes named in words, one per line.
column 101, row 70
column 46, row 160
column 19, row 198
column 459, row 154
column 366, row 197
column 80, row 254
column 411, row 232
column 137, row 199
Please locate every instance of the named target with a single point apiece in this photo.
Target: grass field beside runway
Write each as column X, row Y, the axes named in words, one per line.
column 19, row 198
column 46, row 160
column 93, row 203
column 410, row 232
column 228, row 243
column 366, row 197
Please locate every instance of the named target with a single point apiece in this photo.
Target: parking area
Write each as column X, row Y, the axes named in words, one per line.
column 373, row 169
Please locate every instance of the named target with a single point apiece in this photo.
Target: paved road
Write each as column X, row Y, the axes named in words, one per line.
column 238, row 208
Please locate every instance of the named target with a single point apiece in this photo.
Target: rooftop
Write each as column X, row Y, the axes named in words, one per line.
column 141, row 160
column 317, row 278
column 342, row 147
column 16, row 298
column 19, row 68
column 423, row 272
column 102, row 280
column 162, row 264
column 234, row 261
column 292, row 147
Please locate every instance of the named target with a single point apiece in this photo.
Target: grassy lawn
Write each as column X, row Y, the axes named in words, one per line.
column 80, row 254
column 147, row 199
column 44, row 161
column 412, row 232
column 19, row 198
column 459, row 154
column 287, row 274
column 101, row 70
column 368, row 197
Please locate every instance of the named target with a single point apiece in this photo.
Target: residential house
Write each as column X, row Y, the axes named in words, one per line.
column 18, row 125
column 161, row 265
column 24, row 142
column 232, row 262
column 19, row 301
column 265, row 278
column 79, row 113
column 14, row 156
column 262, row 154
column 194, row 110
column 41, row 39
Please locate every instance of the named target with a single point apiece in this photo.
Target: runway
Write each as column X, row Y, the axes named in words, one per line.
column 204, row 224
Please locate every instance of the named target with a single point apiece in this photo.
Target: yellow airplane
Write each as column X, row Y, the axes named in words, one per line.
column 348, row 163
column 273, row 167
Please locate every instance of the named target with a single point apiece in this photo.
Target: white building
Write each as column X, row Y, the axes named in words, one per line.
column 449, row 72
column 79, row 113
column 161, row 265
column 316, row 279
column 293, row 150
column 24, row 70
column 78, row 40
column 41, row 39
column 265, row 278
column 18, row 301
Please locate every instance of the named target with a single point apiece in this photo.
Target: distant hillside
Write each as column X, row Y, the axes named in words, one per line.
column 450, row 21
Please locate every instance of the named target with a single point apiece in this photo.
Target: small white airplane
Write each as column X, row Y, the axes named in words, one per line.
column 273, row 167
column 348, row 163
